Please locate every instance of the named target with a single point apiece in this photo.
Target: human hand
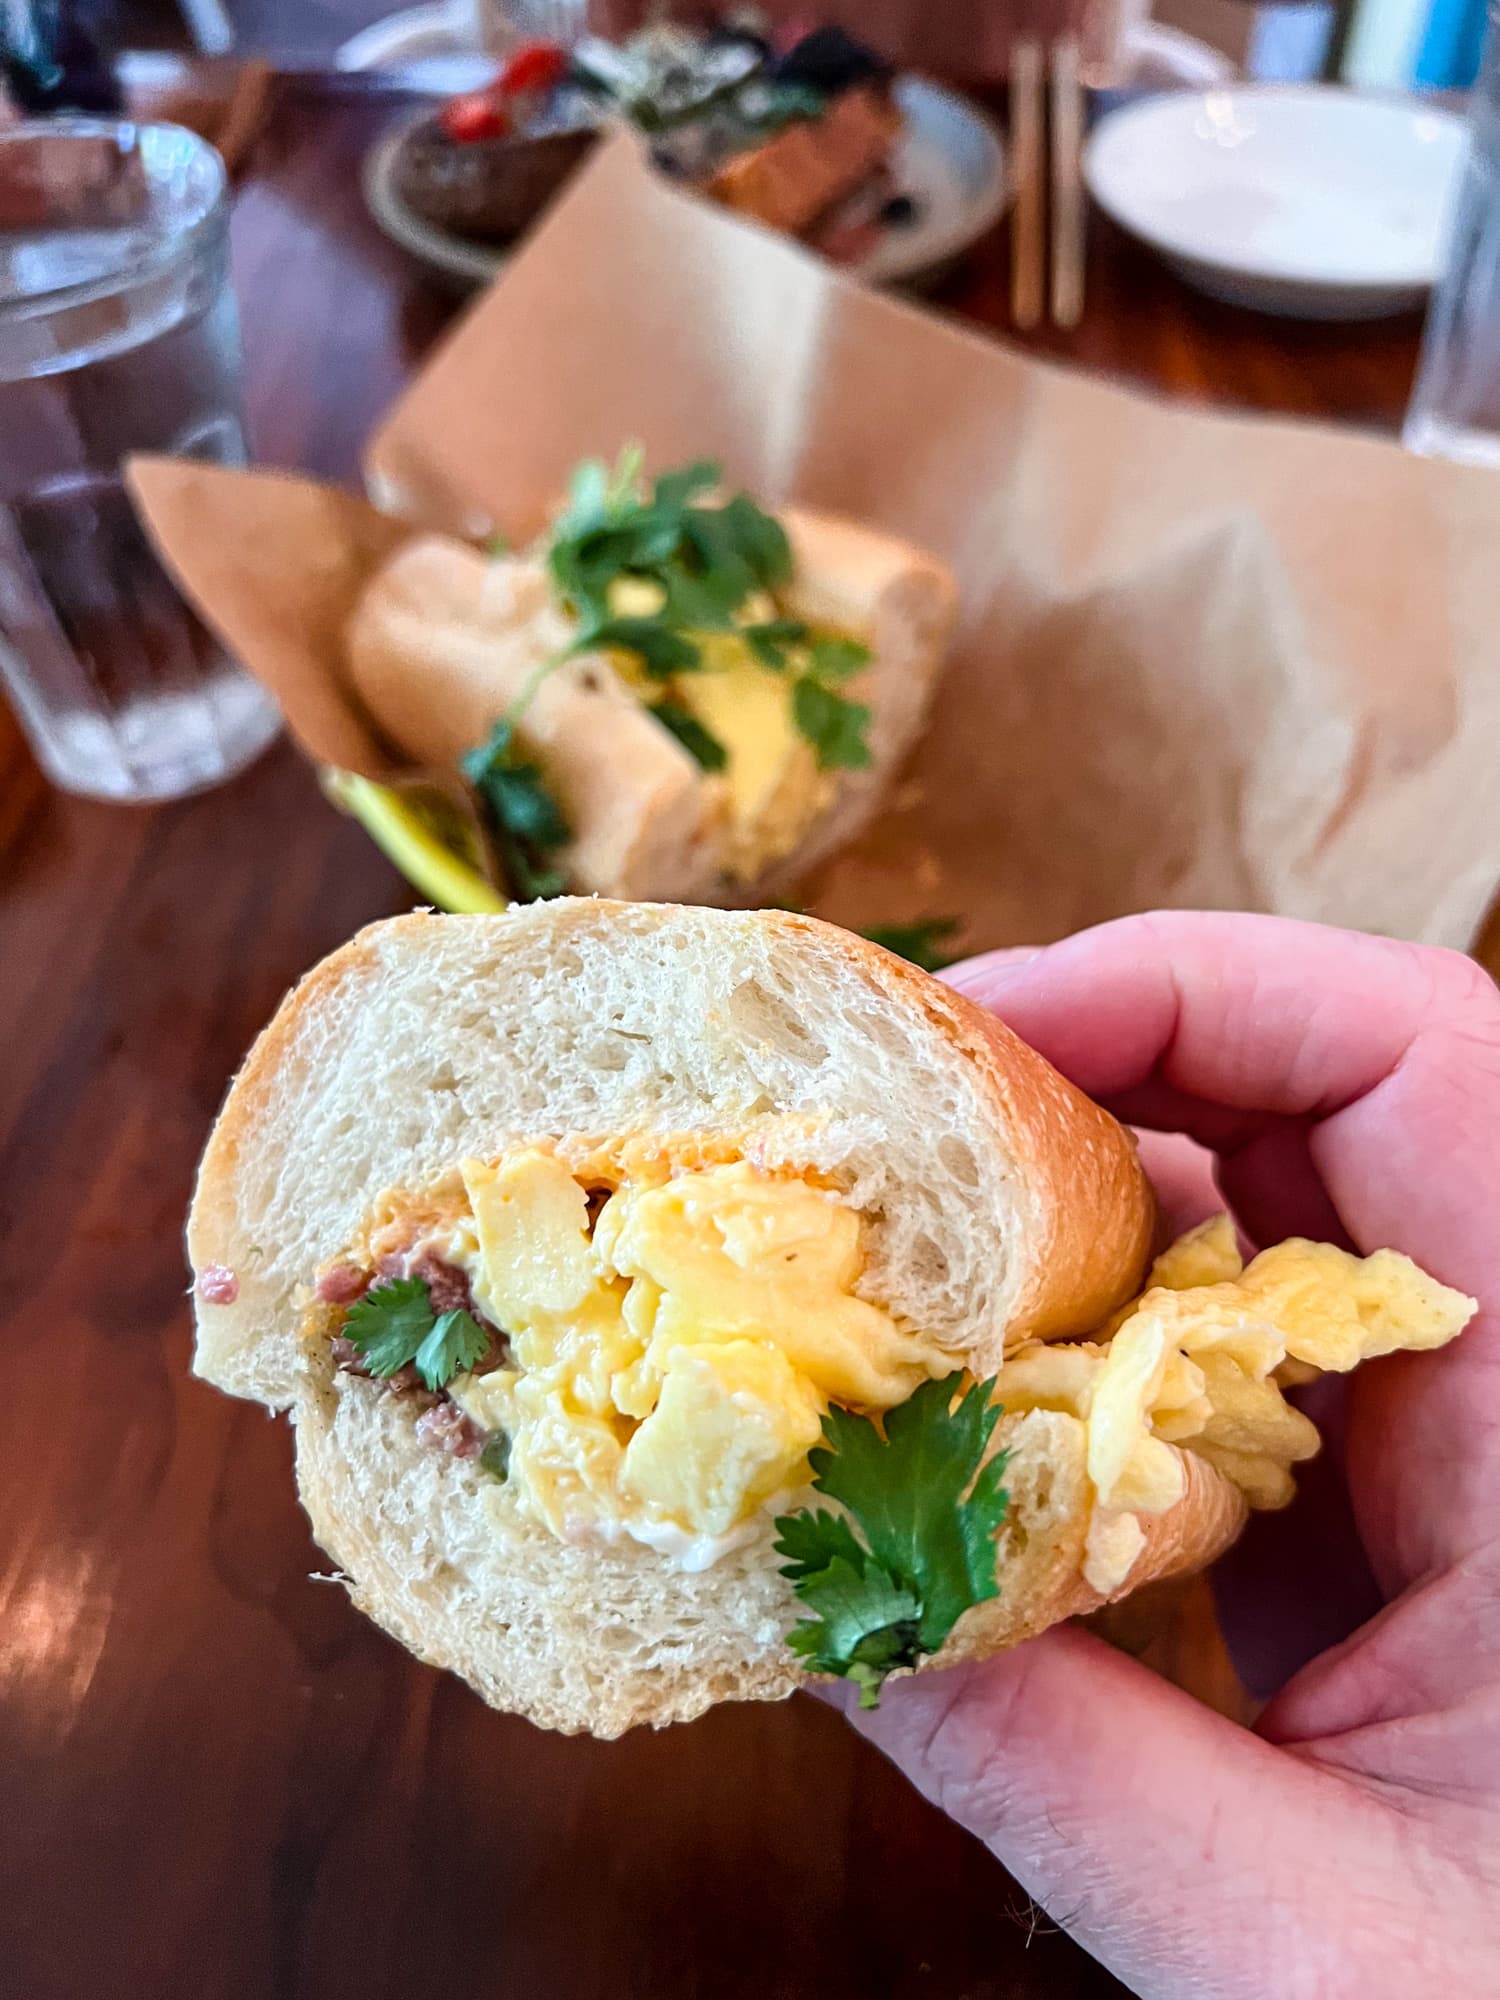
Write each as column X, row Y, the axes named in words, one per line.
column 1349, row 1088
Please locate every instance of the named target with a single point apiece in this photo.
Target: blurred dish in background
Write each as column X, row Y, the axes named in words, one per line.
column 1313, row 203
column 486, row 164
column 889, row 175
column 798, row 134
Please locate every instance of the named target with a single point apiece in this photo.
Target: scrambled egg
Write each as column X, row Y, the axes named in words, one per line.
column 1195, row 1362
column 677, row 1335
column 671, row 1365
column 773, row 786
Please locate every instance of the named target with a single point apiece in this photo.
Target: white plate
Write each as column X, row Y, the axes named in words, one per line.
column 1159, row 57
column 950, row 161
column 1311, row 202
column 948, row 158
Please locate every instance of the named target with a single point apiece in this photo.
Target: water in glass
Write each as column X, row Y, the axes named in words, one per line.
column 117, row 334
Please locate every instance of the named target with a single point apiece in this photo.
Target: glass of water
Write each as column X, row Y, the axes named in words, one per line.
column 117, row 334
column 1455, row 405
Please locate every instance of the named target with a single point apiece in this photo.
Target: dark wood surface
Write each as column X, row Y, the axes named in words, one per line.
column 216, row 1779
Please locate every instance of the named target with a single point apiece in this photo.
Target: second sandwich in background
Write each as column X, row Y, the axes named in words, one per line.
column 704, row 697
column 671, row 693
column 680, row 1305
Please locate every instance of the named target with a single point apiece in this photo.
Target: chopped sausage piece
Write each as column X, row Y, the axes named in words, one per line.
column 447, row 1286
column 342, row 1284
column 406, row 1382
column 448, row 1429
column 218, row 1285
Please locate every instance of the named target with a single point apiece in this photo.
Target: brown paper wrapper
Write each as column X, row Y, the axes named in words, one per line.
column 275, row 565
column 1203, row 660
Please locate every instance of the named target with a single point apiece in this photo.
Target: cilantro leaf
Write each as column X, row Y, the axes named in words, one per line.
column 907, row 1488
column 769, row 641
column 454, row 1343
column 394, row 1325
column 661, row 651
column 527, row 821
column 813, row 1539
column 928, row 1506
column 862, row 1619
column 599, row 495
column 920, row 942
column 588, row 498
column 390, row 1323
column 699, row 742
column 757, row 538
column 836, row 728
column 705, row 601
column 835, row 659
column 676, row 489
column 705, row 561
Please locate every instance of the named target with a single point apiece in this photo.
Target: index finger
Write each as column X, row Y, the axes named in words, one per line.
column 1261, row 1014
column 1391, row 1051
column 1388, row 1055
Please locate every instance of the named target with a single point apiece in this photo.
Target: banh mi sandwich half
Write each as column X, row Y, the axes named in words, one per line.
column 674, row 694
column 675, row 1305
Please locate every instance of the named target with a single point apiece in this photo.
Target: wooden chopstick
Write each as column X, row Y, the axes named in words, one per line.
column 1068, row 213
column 1027, row 243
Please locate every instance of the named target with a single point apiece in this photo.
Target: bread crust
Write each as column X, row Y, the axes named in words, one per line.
column 390, row 651
column 1090, row 1210
column 414, row 1584
column 1093, row 1213
column 444, row 639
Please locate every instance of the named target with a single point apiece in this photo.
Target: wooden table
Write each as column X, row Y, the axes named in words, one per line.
column 216, row 1779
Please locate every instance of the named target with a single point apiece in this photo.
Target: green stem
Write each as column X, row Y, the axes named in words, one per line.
column 534, row 679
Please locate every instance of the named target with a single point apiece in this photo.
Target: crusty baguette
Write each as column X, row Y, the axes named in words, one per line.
column 1001, row 1205
column 602, row 1639
column 904, row 604
column 443, row 640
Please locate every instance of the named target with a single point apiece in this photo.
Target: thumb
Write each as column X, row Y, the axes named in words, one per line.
column 1168, row 1841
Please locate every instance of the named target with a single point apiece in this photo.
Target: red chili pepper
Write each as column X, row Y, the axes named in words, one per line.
column 533, row 66
column 466, row 119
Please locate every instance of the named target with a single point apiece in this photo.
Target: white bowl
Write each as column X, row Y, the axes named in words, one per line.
column 1312, row 202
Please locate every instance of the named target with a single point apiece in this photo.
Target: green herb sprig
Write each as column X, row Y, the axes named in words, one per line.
column 837, row 728
column 888, row 1580
column 701, row 563
column 394, row 1325
column 921, row 942
column 699, row 742
column 527, row 821
column 697, row 564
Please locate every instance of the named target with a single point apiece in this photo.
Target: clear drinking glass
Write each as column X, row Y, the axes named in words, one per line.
column 1455, row 405
column 118, row 334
